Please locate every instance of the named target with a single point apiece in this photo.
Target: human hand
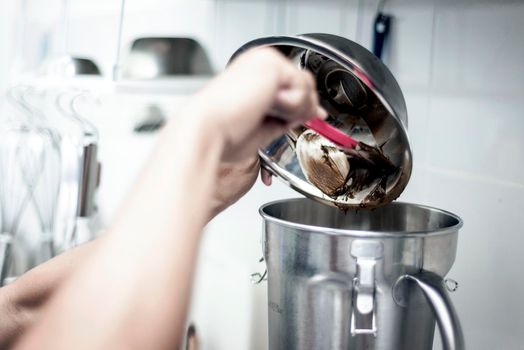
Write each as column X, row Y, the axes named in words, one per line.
column 260, row 96
column 234, row 180
column 226, row 122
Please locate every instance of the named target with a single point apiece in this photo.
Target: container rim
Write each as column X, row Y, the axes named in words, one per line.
column 362, row 233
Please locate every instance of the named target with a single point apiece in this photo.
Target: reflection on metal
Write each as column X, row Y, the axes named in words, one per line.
column 164, row 57
column 361, row 280
column 351, row 81
column 68, row 67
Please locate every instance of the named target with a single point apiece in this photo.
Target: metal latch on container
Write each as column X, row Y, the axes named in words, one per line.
column 363, row 314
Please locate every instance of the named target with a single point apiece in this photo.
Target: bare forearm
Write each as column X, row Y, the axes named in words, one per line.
column 133, row 292
column 22, row 301
column 138, row 281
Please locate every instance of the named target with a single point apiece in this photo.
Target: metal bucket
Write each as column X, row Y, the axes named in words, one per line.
column 359, row 280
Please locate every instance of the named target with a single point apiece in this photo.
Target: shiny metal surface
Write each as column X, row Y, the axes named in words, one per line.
column 85, row 66
column 66, row 66
column 387, row 121
column 333, row 277
column 89, row 180
column 432, row 286
column 88, row 142
column 152, row 58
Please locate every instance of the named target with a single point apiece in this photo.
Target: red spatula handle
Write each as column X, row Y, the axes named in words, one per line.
column 331, row 133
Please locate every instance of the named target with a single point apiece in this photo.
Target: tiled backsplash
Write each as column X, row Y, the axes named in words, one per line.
column 459, row 66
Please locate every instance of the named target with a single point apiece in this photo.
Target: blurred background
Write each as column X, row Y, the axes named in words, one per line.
column 458, row 62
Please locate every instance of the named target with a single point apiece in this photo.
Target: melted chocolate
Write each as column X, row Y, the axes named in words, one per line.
column 323, row 171
column 340, row 94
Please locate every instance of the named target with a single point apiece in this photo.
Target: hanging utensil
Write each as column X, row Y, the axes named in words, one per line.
column 44, row 179
column 86, row 166
column 381, row 30
column 15, row 192
column 90, row 166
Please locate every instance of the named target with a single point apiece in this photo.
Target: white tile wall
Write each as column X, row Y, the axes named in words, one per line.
column 479, row 47
column 7, row 40
column 488, row 259
column 335, row 17
column 480, row 136
column 468, row 135
column 238, row 22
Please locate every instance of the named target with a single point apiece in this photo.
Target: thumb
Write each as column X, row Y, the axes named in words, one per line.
column 270, row 128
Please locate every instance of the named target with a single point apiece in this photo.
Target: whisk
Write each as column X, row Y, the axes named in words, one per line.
column 43, row 152
column 13, row 195
column 14, row 189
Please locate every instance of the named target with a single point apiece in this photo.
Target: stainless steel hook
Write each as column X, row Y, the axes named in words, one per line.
column 257, row 277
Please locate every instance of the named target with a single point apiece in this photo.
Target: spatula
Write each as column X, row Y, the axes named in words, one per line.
column 331, row 133
column 371, row 155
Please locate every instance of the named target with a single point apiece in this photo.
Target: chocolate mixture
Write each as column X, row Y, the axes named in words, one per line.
column 338, row 172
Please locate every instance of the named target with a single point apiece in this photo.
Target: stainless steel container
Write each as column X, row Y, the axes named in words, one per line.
column 386, row 113
column 360, row 280
column 367, row 279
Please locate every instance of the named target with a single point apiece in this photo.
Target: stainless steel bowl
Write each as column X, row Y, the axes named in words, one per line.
column 387, row 121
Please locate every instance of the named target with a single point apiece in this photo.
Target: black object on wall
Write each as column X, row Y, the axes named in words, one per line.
column 381, row 30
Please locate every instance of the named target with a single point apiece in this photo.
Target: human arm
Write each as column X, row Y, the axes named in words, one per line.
column 22, row 301
column 133, row 291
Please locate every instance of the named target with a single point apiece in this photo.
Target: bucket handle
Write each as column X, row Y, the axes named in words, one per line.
column 434, row 290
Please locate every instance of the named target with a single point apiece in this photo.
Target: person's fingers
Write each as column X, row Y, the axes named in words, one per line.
column 271, row 128
column 265, row 133
column 266, row 177
column 290, row 102
column 297, row 103
column 321, row 113
column 310, row 80
column 257, row 84
column 290, row 98
column 293, row 106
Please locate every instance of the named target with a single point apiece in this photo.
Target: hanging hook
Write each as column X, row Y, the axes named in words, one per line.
column 257, row 277
column 450, row 284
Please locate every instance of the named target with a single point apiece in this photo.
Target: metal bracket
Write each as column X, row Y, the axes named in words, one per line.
column 366, row 254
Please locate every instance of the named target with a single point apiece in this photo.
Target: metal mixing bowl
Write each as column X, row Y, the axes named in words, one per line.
column 387, row 120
